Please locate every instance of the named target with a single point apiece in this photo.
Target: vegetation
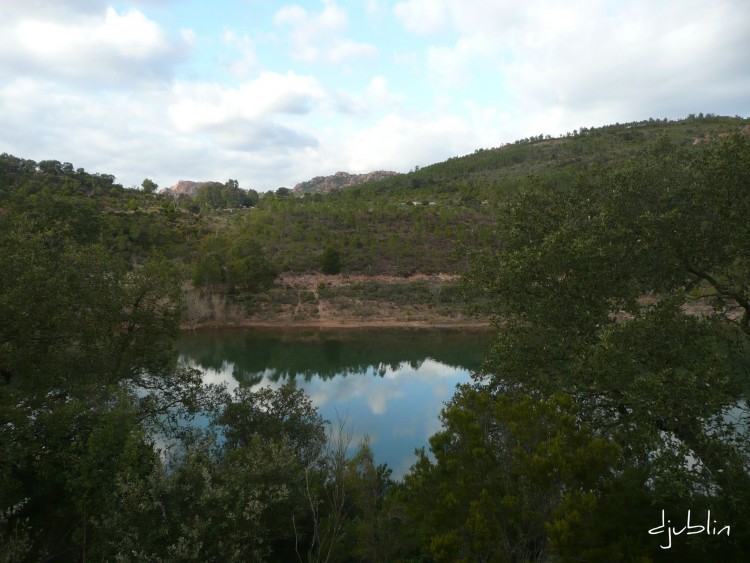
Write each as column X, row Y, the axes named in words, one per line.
column 614, row 261
column 626, row 406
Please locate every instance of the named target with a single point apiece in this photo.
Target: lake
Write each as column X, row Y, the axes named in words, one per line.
column 388, row 384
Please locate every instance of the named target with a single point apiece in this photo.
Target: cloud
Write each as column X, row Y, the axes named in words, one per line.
column 50, row 9
column 422, row 17
column 379, row 94
column 244, row 46
column 641, row 59
column 258, row 135
column 257, row 132
column 342, row 50
column 292, row 15
column 104, row 49
column 453, row 66
column 202, row 106
column 376, row 96
column 373, row 8
column 317, row 37
column 133, row 137
column 584, row 62
column 263, row 119
column 115, row 134
column 399, row 141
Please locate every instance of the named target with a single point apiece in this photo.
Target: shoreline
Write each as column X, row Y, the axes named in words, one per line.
column 349, row 324
column 340, row 301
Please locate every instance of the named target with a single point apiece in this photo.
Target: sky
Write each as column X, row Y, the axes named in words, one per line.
column 274, row 93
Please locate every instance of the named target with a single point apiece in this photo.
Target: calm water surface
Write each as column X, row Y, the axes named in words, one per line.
column 389, row 384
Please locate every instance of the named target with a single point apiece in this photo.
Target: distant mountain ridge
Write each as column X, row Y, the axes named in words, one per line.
column 341, row 180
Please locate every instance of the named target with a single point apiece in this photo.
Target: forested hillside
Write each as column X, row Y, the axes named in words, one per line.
column 234, row 243
column 613, row 263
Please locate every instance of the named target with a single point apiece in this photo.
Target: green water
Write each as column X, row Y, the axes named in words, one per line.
column 388, row 384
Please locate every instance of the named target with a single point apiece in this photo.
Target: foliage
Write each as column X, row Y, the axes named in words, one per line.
column 651, row 376
column 149, row 186
column 237, row 264
column 80, row 333
column 503, row 467
column 223, row 196
column 231, row 494
column 330, row 262
column 372, row 530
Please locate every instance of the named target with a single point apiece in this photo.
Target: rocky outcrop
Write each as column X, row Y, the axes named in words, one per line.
column 340, row 180
column 183, row 187
column 707, row 137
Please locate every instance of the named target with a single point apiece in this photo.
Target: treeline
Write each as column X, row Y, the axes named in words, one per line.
column 28, row 176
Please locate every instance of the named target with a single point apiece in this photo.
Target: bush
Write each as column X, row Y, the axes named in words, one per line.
column 331, row 261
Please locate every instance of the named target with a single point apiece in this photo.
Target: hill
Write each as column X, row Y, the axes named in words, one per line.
column 388, row 227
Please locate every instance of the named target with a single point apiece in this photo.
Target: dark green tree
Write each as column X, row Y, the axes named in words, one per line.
column 330, row 261
column 504, row 466
column 149, row 186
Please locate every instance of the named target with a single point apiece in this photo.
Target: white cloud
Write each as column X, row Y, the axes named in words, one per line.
column 377, row 96
column 343, row 50
column 373, row 8
column 134, row 137
column 198, row 107
column 399, row 141
column 563, row 65
column 109, row 48
column 51, row 8
column 115, row 134
column 292, row 15
column 453, row 65
column 244, row 46
column 188, row 35
column 422, row 17
column 317, row 37
column 640, row 60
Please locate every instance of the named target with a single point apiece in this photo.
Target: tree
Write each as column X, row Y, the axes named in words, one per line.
column 232, row 264
column 330, row 261
column 595, row 288
column 224, row 196
column 87, row 364
column 371, row 533
column 234, row 492
column 248, row 268
column 286, row 415
column 149, row 186
column 209, row 194
column 503, row 467
column 90, row 381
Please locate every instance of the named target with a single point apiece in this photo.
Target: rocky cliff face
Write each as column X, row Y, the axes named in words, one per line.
column 340, row 180
column 183, row 187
